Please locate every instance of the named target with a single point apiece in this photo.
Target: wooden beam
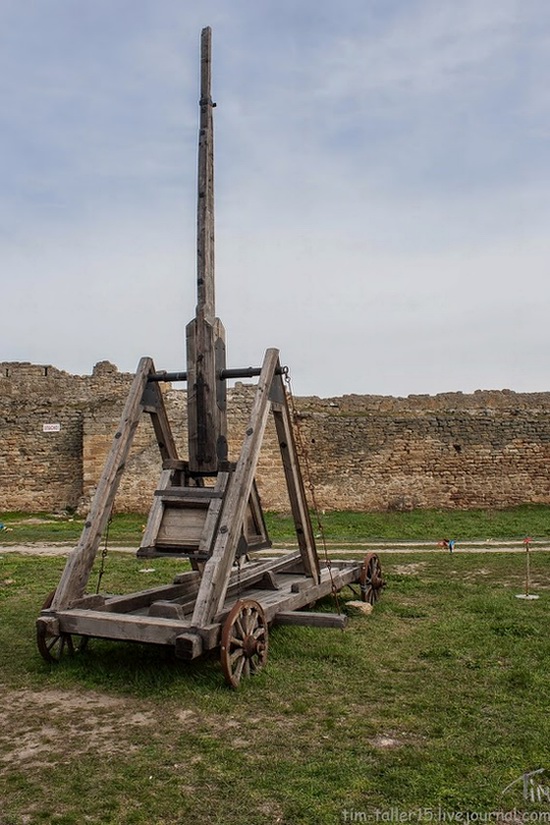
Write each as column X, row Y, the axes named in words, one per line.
column 294, row 480
column 188, row 584
column 215, row 579
column 161, row 424
column 155, row 513
column 80, row 560
column 304, row 617
column 206, row 410
column 205, row 209
column 147, row 629
column 207, row 428
column 213, row 515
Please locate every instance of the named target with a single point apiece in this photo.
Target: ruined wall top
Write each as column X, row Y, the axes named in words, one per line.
column 45, row 380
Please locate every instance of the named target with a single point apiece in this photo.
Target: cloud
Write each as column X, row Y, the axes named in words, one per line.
column 381, row 184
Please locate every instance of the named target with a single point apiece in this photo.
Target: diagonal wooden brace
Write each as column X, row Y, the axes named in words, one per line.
column 81, row 560
column 217, row 570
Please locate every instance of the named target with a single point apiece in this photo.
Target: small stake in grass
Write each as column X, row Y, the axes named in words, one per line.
column 448, row 544
column 529, row 596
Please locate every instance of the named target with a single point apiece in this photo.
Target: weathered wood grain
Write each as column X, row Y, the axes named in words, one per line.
column 80, row 561
column 131, row 628
column 304, row 617
column 215, row 578
column 207, row 427
column 293, row 475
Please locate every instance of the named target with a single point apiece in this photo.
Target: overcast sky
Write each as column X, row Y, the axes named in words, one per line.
column 382, row 187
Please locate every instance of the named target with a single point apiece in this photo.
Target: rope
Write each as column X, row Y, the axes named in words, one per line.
column 103, row 555
column 304, row 458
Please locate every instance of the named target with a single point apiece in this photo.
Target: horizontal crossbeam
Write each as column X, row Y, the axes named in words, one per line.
column 222, row 375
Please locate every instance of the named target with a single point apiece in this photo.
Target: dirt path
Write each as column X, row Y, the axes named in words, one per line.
column 346, row 548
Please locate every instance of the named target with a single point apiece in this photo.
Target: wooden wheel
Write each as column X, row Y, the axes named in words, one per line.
column 53, row 646
column 244, row 641
column 370, row 579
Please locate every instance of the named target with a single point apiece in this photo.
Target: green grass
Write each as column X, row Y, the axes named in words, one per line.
column 23, row 528
column 429, row 525
column 439, row 698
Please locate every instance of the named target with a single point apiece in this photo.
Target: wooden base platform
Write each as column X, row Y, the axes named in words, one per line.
column 163, row 615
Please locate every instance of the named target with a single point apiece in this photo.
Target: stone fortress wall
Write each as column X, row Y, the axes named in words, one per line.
column 365, row 452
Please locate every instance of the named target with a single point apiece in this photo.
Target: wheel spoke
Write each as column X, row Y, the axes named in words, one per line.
column 236, row 654
column 248, row 621
column 244, row 641
column 237, row 673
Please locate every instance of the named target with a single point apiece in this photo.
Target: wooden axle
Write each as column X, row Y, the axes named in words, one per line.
column 222, row 375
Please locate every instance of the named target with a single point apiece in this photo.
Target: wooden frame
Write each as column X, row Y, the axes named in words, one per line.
column 205, row 508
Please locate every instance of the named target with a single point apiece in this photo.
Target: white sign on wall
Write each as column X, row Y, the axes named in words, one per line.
column 51, row 428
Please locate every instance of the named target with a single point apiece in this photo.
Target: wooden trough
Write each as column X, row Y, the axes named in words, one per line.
column 207, row 508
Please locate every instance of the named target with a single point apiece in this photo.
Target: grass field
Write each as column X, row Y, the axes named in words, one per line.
column 430, row 525
column 438, row 699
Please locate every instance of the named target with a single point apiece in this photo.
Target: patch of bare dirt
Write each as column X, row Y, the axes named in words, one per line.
column 45, row 727
column 410, row 569
column 384, row 742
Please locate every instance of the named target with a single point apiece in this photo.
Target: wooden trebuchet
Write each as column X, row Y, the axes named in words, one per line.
column 206, row 507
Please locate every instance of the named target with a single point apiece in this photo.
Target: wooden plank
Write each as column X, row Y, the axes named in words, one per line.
column 155, row 513
column 213, row 515
column 167, row 610
column 161, row 425
column 92, row 601
column 304, row 617
column 254, row 571
column 175, row 464
column 143, row 598
column 181, row 527
column 282, row 600
column 216, row 573
column 294, row 481
column 131, row 628
column 192, row 494
column 80, row 560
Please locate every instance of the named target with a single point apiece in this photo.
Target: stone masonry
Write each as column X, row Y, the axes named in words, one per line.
column 487, row 449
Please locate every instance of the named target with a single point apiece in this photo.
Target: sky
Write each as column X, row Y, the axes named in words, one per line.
column 382, row 187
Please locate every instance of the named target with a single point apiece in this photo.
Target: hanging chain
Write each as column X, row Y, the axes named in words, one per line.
column 104, row 555
column 303, row 453
column 239, row 577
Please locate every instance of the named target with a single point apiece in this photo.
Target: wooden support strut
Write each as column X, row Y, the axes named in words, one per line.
column 294, row 481
column 80, row 560
column 215, row 577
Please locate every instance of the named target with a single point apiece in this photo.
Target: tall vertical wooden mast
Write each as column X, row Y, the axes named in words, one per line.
column 205, row 333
